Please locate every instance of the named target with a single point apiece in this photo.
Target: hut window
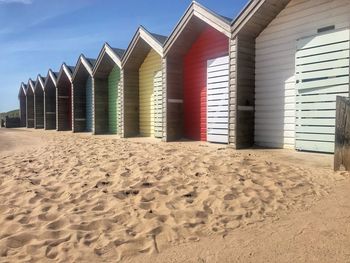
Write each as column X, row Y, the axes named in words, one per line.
column 324, row 29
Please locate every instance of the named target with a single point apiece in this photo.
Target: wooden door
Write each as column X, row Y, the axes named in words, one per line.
column 217, row 100
column 322, row 74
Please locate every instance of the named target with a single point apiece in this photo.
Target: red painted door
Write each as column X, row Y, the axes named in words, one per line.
column 210, row 44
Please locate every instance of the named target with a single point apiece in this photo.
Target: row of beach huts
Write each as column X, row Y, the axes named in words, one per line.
column 269, row 77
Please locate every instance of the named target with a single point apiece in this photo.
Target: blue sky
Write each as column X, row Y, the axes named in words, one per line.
column 36, row 35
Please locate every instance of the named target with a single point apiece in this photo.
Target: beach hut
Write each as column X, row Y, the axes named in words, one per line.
column 197, row 77
column 50, row 100
column 82, row 95
column 64, row 98
column 39, row 102
column 22, row 104
column 142, row 85
column 106, row 90
column 30, row 103
column 291, row 60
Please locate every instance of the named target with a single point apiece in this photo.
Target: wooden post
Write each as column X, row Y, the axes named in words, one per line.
column 342, row 135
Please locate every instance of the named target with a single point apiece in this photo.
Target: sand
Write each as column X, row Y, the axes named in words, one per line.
column 76, row 198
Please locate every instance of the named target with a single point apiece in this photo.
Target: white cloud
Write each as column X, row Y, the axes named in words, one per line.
column 25, row 2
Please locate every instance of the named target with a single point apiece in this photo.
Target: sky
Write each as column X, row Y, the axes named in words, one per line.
column 36, row 35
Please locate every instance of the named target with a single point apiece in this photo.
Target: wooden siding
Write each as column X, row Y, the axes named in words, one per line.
column 158, row 103
column 217, row 100
column 23, row 110
column 30, row 108
column 275, row 65
column 210, row 44
column 88, row 103
column 322, row 74
column 149, row 67
column 233, row 89
column 113, row 81
column 39, row 108
column 131, row 102
column 64, row 104
column 50, row 106
column 173, row 81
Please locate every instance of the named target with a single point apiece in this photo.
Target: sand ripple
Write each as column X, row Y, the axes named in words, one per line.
column 81, row 198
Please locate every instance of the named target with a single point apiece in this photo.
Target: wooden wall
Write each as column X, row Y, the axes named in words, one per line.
column 50, row 106
column 131, row 102
column 64, row 104
column 23, row 110
column 100, row 89
column 39, row 108
column 30, row 109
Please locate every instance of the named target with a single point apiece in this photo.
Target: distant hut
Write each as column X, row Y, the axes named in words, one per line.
column 39, row 103
column 50, row 100
column 197, row 77
column 82, row 95
column 22, row 104
column 30, row 103
column 142, row 85
column 64, row 98
column 106, row 86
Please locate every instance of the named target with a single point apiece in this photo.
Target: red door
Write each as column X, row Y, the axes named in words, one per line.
column 210, row 44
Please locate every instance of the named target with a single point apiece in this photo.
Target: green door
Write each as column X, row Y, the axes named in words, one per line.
column 113, row 82
column 322, row 74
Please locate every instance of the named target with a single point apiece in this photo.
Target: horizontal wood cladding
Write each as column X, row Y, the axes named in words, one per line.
column 100, row 89
column 30, row 110
column 275, row 65
column 23, row 110
column 245, row 91
column 113, row 98
column 39, row 108
column 131, row 102
column 232, row 95
column 64, row 104
column 174, row 97
column 82, row 105
column 50, row 106
column 209, row 44
column 147, row 71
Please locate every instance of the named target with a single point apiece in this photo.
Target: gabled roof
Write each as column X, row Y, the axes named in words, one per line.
column 155, row 41
column 116, row 54
column 51, row 75
column 68, row 70
column 256, row 15
column 196, row 10
column 30, row 86
column 22, row 89
column 87, row 63
column 40, row 81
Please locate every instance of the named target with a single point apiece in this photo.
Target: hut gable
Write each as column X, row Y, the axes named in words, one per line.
column 191, row 25
column 40, row 83
column 106, row 60
column 22, row 90
column 140, row 45
column 67, row 70
column 30, row 87
column 51, row 77
column 83, row 67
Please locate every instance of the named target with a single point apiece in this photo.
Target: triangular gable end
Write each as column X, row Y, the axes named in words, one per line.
column 82, row 62
column 257, row 15
column 107, row 50
column 153, row 40
column 207, row 16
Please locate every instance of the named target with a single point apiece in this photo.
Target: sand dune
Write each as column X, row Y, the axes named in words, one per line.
column 81, row 198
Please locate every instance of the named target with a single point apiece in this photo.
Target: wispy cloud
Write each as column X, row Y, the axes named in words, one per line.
column 24, row 2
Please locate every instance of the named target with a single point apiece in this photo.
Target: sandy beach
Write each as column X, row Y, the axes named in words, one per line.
column 76, row 198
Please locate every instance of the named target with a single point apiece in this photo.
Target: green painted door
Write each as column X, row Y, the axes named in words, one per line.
column 89, row 105
column 113, row 82
column 322, row 74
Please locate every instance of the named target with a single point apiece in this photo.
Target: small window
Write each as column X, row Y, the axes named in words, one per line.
column 324, row 29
